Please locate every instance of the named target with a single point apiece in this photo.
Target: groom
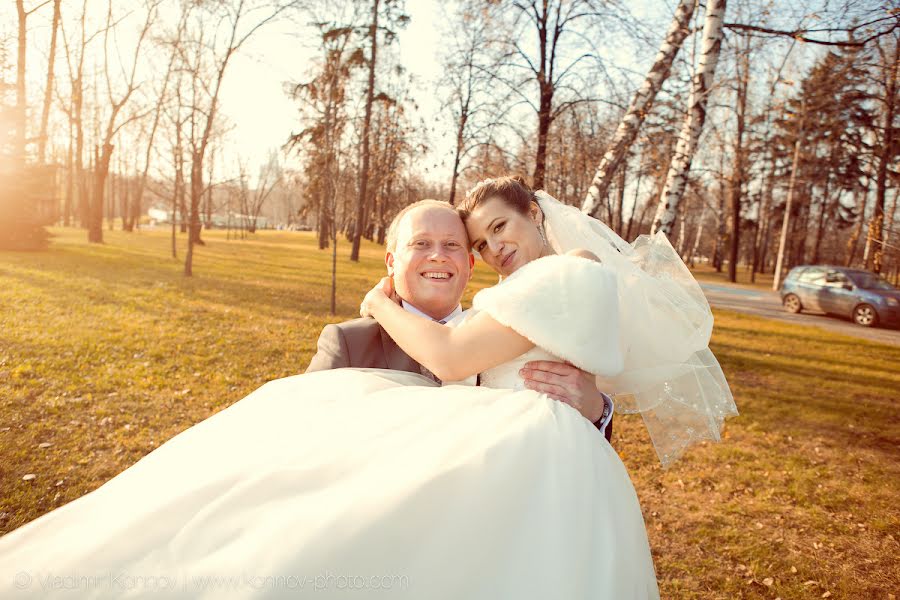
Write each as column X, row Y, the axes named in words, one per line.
column 429, row 260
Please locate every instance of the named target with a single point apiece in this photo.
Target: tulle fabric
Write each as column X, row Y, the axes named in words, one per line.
column 670, row 375
column 313, row 485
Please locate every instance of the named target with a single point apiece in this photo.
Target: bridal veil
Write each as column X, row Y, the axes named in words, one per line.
column 670, row 375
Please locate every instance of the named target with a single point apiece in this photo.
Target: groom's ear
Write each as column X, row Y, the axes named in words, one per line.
column 389, row 263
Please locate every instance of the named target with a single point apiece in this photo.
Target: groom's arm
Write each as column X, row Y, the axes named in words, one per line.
column 573, row 386
column 331, row 351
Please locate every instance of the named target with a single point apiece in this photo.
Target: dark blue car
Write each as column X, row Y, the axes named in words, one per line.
column 863, row 296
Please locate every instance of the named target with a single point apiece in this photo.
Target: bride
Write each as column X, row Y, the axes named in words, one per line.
column 381, row 482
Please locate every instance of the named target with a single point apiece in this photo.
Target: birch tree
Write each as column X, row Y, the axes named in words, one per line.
column 640, row 106
column 689, row 137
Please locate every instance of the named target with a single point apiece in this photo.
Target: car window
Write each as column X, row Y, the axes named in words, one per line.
column 835, row 279
column 794, row 273
column 813, row 275
column 871, row 281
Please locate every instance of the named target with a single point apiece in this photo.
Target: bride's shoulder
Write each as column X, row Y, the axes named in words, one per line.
column 573, row 262
column 582, row 253
column 553, row 276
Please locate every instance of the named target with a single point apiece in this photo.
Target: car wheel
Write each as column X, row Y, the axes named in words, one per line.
column 791, row 303
column 865, row 315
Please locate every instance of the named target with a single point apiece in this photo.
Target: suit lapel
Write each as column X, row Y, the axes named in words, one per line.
column 395, row 357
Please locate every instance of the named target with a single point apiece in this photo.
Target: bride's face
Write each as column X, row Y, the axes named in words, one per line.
column 505, row 238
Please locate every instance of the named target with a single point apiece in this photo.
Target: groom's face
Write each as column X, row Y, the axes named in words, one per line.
column 431, row 263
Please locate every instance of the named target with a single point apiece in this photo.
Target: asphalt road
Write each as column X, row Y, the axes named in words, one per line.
column 768, row 304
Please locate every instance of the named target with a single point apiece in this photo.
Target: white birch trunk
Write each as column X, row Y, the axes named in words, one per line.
column 639, row 108
column 698, row 237
column 696, row 116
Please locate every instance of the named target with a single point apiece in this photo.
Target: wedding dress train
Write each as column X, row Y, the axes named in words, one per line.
column 373, row 481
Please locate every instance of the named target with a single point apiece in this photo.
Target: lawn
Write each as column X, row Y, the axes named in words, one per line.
column 108, row 351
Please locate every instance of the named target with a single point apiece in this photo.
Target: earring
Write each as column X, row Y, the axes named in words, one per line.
column 541, row 233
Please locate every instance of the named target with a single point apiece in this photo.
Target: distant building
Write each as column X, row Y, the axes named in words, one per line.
column 218, row 221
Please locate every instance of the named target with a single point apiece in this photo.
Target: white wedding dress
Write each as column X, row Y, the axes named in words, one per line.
column 373, row 481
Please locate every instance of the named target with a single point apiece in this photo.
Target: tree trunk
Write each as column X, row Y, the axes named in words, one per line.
column 820, row 219
column 676, row 179
column 178, row 192
column 721, row 230
column 876, row 225
column 698, row 236
column 21, row 114
column 620, row 201
column 762, row 228
column 737, row 185
column 101, row 169
column 70, row 181
column 640, row 107
column 634, row 202
column 544, row 122
column 362, row 199
column 457, row 157
column 194, row 224
column 48, row 90
column 779, row 261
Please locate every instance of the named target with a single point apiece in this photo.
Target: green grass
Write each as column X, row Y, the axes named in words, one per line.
column 107, row 351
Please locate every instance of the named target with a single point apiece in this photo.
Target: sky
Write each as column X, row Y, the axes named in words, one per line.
column 259, row 114
column 263, row 116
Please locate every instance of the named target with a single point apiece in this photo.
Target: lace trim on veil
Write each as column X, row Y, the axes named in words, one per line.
column 670, row 375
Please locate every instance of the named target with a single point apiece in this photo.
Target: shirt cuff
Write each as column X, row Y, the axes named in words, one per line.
column 608, row 409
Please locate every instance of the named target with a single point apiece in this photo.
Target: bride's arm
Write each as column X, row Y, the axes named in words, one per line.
column 451, row 353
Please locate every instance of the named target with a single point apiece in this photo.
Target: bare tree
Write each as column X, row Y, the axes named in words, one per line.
column 738, row 175
column 253, row 199
column 162, row 99
column 470, row 97
column 536, row 44
column 48, row 88
column 641, row 105
column 113, row 124
column 393, row 18
column 325, row 99
column 695, row 118
column 206, row 62
column 888, row 66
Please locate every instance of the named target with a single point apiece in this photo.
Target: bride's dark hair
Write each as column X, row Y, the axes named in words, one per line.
column 513, row 190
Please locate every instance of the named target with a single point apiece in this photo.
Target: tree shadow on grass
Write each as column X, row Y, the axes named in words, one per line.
column 300, row 295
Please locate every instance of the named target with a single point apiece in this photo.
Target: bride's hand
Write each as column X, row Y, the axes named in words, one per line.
column 383, row 291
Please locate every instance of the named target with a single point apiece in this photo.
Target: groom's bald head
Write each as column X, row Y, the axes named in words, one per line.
column 428, row 256
column 395, row 224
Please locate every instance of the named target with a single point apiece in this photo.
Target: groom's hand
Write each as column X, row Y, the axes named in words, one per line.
column 566, row 383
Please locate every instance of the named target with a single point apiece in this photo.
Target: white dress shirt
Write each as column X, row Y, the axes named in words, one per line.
column 410, row 308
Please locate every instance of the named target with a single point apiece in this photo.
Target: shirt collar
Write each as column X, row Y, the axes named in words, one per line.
column 410, row 308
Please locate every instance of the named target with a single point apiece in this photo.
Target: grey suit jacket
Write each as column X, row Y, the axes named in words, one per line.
column 360, row 343
column 364, row 344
